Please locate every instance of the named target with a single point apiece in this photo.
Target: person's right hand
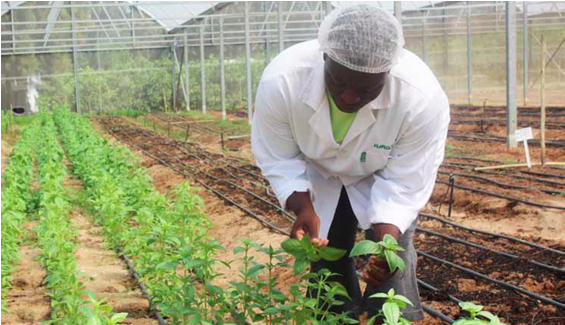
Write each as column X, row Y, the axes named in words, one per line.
column 308, row 223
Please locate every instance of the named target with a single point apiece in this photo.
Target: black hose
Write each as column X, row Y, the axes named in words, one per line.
column 510, row 238
column 505, row 254
column 500, row 196
column 495, row 281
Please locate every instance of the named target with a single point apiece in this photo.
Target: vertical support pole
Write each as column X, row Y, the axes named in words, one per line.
column 542, row 98
column 248, row 65
column 75, row 58
column 451, row 188
column 280, row 25
column 469, row 58
column 398, row 11
column 222, row 139
column 187, row 133
column 173, row 74
column 132, row 8
column 525, row 49
column 446, row 48
column 511, row 109
column 12, row 12
column 222, row 70
column 186, row 72
column 98, row 78
column 202, row 71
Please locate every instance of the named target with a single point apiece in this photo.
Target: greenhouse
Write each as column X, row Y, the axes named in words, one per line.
column 283, row 162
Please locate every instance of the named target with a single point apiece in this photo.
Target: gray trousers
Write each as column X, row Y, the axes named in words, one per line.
column 342, row 235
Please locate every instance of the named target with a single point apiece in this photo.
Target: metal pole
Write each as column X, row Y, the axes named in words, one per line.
column 280, row 25
column 248, row 65
column 446, row 49
column 132, row 25
column 75, row 59
column 173, row 73
column 186, row 71
column 202, row 71
column 542, row 98
column 398, row 11
column 511, row 109
column 99, row 81
column 525, row 49
column 469, row 58
column 222, row 69
column 451, row 188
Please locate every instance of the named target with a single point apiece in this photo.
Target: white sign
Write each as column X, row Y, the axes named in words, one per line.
column 524, row 134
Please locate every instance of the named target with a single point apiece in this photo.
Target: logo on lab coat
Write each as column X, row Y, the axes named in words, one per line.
column 363, row 156
column 381, row 146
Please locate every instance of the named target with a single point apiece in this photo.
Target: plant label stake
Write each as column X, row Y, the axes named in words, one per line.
column 525, row 134
column 451, row 186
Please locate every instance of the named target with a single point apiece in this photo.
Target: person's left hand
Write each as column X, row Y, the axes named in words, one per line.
column 377, row 272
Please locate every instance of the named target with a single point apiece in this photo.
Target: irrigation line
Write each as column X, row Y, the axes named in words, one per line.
column 495, row 281
column 510, row 238
column 510, row 198
column 503, row 185
column 142, row 287
column 529, row 172
column 432, row 288
column 505, row 254
column 556, row 143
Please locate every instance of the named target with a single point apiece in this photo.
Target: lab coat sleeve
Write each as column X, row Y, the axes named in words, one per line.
column 273, row 143
column 406, row 183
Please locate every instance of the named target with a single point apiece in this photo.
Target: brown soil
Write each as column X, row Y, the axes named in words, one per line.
column 27, row 301
column 103, row 273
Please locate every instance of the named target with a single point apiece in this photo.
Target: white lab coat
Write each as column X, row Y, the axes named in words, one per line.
column 389, row 158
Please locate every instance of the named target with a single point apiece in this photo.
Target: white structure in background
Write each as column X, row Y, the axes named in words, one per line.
column 32, row 93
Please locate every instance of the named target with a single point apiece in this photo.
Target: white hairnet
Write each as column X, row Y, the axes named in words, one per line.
column 362, row 38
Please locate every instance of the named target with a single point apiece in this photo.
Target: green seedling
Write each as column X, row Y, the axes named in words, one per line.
column 386, row 248
column 305, row 252
column 475, row 314
column 391, row 309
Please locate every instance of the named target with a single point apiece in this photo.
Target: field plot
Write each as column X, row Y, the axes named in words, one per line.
column 518, row 279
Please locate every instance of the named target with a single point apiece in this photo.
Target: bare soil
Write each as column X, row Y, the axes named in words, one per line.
column 27, row 302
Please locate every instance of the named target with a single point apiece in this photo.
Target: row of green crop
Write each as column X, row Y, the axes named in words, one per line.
column 70, row 302
column 175, row 256
column 16, row 200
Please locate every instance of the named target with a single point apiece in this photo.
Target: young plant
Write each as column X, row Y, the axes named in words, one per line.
column 475, row 314
column 391, row 309
column 305, row 252
column 387, row 248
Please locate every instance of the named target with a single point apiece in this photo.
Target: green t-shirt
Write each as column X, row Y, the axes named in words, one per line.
column 341, row 122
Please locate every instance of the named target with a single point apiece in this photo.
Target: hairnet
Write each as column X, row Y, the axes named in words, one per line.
column 362, row 38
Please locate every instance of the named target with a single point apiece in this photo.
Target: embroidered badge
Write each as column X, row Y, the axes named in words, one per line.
column 363, row 156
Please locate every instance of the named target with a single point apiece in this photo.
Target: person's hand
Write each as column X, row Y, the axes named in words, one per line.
column 376, row 271
column 308, row 223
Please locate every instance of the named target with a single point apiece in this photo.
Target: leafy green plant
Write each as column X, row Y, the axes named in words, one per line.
column 387, row 248
column 391, row 308
column 477, row 316
column 305, row 252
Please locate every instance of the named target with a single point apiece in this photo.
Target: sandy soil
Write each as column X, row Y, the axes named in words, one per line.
column 26, row 300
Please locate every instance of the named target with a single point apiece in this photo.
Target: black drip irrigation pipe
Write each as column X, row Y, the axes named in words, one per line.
column 500, row 196
column 529, row 172
column 428, row 286
column 142, row 287
column 503, row 185
column 510, row 238
column 495, row 281
column 556, row 143
column 505, row 254
column 540, row 180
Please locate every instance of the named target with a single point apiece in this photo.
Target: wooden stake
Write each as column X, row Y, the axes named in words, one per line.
column 542, row 99
column 518, row 165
